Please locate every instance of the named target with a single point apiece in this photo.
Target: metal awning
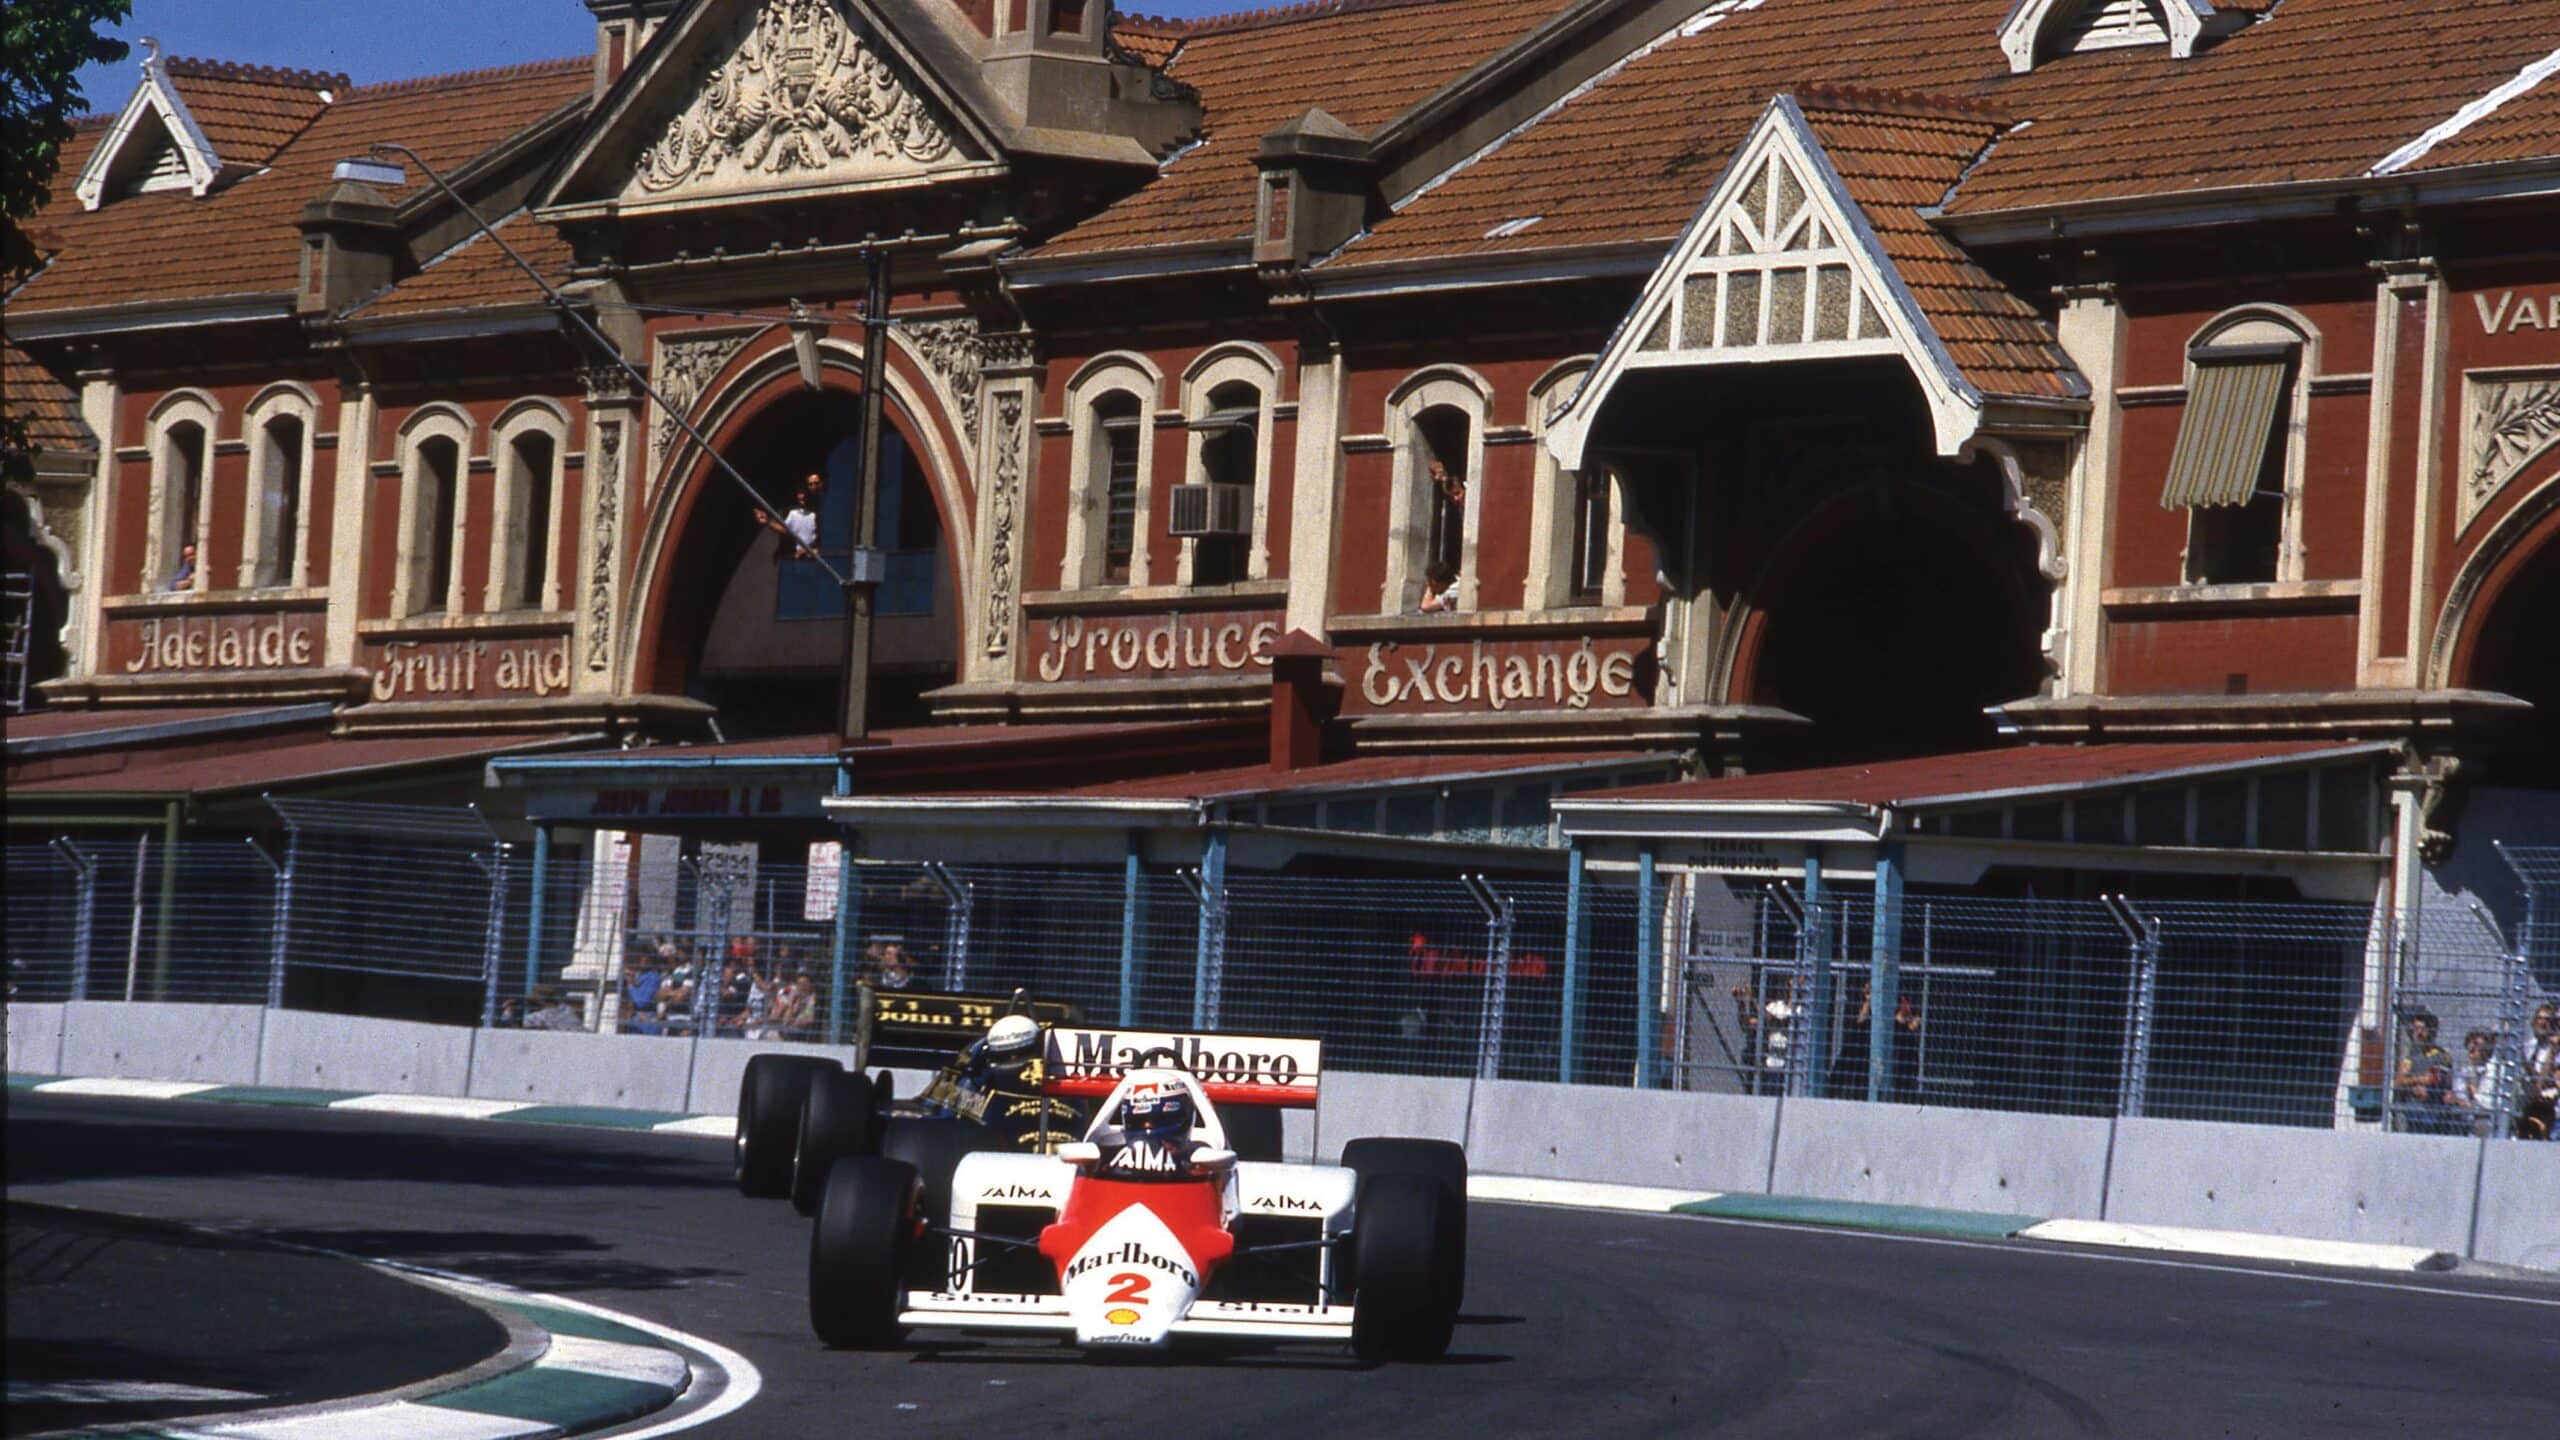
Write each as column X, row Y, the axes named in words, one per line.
column 2231, row 416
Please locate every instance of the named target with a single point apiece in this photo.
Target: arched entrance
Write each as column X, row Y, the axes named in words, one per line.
column 746, row 626
column 1893, row 618
column 2506, row 644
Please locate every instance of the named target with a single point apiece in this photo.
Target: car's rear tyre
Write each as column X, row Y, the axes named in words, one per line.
column 1403, row 1308
column 858, row 1252
column 769, row 1096
column 836, row 1121
column 1444, row 1163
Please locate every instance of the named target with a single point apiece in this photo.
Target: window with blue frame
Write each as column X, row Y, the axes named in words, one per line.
column 910, row 536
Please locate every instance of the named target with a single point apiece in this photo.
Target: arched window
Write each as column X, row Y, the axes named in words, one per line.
column 2238, row 465
column 526, row 444
column 1110, row 405
column 1230, row 450
column 1577, row 557
column 438, row 475
column 179, row 563
column 276, row 514
column 1436, row 421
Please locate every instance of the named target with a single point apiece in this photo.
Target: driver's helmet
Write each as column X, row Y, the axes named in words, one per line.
column 1157, row 1110
column 1011, row 1043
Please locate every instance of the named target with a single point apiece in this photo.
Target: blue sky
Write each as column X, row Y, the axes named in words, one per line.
column 371, row 40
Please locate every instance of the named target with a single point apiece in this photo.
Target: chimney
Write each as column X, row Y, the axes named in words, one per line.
column 1316, row 174
column 350, row 246
column 1304, row 697
column 622, row 28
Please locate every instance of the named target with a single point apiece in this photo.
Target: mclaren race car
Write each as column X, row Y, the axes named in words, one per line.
column 1148, row 1228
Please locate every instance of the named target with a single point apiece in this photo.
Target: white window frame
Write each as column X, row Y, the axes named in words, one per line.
column 534, row 416
column 160, row 545
column 1408, row 515
column 1238, row 362
column 1551, row 504
column 445, row 422
column 1088, row 480
column 2268, row 325
column 284, row 401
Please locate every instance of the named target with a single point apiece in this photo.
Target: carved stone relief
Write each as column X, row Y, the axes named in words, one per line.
column 1001, row 493
column 950, row 348
column 608, row 483
column 799, row 93
column 685, row 365
column 2506, row 423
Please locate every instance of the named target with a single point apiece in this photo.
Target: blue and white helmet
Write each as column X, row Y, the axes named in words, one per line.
column 1157, row 1110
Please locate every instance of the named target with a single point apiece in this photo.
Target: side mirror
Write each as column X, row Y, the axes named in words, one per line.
column 1210, row 1157
column 1079, row 1152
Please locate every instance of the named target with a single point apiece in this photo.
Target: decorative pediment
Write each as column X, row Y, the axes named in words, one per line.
column 747, row 98
column 1778, row 265
column 155, row 144
column 2039, row 30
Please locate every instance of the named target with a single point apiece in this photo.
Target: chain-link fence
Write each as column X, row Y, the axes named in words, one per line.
column 2297, row 1014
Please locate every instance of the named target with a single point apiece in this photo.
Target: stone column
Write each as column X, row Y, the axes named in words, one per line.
column 85, row 650
column 1315, row 485
column 606, row 514
column 350, row 500
column 2091, row 331
column 1009, row 374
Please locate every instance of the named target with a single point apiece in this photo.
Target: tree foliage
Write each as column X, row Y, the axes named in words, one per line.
column 43, row 44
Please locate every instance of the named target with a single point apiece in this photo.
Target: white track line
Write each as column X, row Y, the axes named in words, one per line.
column 374, row 1422
column 718, row 1127
column 2241, row 1245
column 446, row 1107
column 648, row 1364
column 1579, row 1194
column 114, row 1089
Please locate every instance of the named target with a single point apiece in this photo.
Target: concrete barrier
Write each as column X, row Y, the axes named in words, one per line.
column 721, row 1064
column 1350, row 1104
column 346, row 1052
column 2520, row 1205
column 35, row 1039
column 162, row 1040
column 1988, row 1160
column 637, row 1072
column 2321, row 1184
column 1632, row 1137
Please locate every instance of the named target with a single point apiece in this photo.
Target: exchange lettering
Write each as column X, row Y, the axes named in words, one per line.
column 1478, row 676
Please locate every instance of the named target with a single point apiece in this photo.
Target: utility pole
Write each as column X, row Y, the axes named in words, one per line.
column 862, row 577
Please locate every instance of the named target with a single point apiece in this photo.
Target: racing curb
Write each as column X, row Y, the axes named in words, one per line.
column 1587, row 1195
column 562, row 1372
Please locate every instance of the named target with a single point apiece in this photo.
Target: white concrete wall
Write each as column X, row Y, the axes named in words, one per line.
column 346, row 1052
column 634, row 1072
column 2520, row 1205
column 1986, row 1160
column 1636, row 1137
column 162, row 1040
column 721, row 1064
column 2385, row 1189
column 1350, row 1105
column 35, row 1039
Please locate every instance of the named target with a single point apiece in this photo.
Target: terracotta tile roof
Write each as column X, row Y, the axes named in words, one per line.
column 1897, row 154
column 2526, row 126
column 1976, row 774
column 250, row 112
column 2323, row 89
column 51, row 410
column 241, row 240
column 1362, row 61
column 1149, row 39
column 477, row 274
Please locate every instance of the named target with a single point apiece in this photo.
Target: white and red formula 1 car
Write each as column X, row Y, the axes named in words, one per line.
column 1149, row 1230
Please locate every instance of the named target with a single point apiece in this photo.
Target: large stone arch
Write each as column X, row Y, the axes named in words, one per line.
column 727, row 410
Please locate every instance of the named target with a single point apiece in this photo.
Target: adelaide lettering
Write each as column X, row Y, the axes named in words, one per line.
column 1476, row 675
column 221, row 643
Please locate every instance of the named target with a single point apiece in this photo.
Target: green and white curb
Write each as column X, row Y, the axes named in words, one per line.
column 1508, row 1189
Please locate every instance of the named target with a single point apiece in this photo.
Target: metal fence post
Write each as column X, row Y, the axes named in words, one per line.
column 279, row 926
column 1885, row 969
column 133, row 937
column 84, row 917
column 493, row 938
column 962, row 897
column 2142, row 989
column 840, row 941
column 1569, row 1019
column 1811, row 1074
column 1648, row 963
column 1497, row 974
column 534, row 906
column 1132, row 898
column 1209, row 959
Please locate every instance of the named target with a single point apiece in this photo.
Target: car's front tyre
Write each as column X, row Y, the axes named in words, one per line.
column 1405, row 1307
column 868, row 1217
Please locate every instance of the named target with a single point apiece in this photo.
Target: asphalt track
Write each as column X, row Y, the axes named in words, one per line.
column 1582, row 1324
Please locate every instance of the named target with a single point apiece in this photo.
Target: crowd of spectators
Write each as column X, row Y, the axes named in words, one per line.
column 2440, row 1093
column 753, row 990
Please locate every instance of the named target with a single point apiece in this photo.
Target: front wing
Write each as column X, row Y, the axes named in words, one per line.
column 1209, row 1319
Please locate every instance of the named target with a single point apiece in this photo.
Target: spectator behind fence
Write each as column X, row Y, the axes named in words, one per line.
column 641, row 987
column 795, row 1014
column 1765, row 1033
column 676, row 995
column 2485, row 1082
column 891, row 969
column 2538, row 1116
column 1849, row 1071
column 2424, row 1086
column 554, row 1010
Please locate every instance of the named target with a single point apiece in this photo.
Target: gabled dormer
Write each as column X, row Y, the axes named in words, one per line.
column 2041, row 30
column 243, row 115
column 154, row 145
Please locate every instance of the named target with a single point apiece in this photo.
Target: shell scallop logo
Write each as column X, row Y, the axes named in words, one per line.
column 1121, row 1316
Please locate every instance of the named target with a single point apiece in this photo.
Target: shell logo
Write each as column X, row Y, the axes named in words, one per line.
column 1121, row 1316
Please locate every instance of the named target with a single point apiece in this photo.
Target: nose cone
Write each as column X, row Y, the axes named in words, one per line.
column 1130, row 1282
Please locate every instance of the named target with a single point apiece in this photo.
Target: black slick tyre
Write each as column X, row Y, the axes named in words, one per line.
column 858, row 1252
column 932, row 1148
column 769, row 1096
column 1402, row 1309
column 835, row 1122
column 1444, row 1163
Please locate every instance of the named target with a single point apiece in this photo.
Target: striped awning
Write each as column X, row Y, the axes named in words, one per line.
column 2231, row 415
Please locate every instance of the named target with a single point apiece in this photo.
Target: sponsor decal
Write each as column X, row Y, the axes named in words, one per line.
column 1147, row 1157
column 1291, row 1202
column 1131, row 1253
column 1015, row 1190
column 1121, row 1316
column 1427, row 960
column 1216, row 1059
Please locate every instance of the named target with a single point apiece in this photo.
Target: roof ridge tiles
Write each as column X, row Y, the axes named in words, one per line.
column 1919, row 104
column 194, row 67
column 1261, row 19
column 416, row 83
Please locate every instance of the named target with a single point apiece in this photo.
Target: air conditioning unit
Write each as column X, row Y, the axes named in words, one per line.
column 1212, row 510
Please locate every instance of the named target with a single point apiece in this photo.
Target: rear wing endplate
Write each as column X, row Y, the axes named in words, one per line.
column 1231, row 1069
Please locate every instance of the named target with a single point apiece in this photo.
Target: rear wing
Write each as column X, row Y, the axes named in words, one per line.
column 908, row 1026
column 1231, row 1069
